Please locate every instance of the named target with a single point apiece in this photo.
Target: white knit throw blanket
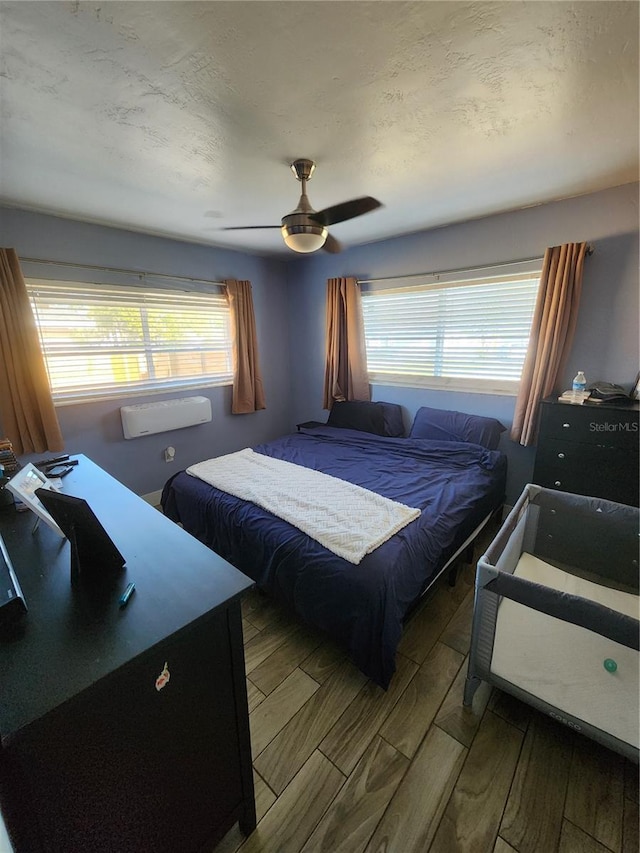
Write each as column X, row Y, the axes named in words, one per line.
column 344, row 518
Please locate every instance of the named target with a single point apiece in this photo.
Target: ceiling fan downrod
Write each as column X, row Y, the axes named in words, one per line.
column 298, row 232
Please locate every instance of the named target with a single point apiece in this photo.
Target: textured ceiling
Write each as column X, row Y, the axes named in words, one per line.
column 179, row 118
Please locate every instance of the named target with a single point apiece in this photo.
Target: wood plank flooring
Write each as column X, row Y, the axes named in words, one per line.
column 341, row 766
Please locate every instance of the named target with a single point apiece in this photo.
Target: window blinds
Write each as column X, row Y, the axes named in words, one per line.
column 470, row 334
column 103, row 340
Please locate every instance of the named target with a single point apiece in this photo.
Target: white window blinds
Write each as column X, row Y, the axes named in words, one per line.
column 106, row 340
column 464, row 334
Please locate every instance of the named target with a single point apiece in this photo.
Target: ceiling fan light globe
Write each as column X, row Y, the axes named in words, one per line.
column 304, row 238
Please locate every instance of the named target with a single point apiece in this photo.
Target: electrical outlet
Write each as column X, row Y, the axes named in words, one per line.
column 169, row 454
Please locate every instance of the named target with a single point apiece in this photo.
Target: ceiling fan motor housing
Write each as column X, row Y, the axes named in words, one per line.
column 302, row 234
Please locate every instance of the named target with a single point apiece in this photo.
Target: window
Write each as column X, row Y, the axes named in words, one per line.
column 464, row 334
column 102, row 340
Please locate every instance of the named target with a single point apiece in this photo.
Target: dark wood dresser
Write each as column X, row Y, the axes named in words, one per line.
column 123, row 729
column 589, row 450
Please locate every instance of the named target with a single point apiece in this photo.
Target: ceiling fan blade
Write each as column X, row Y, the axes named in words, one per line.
column 331, row 245
column 248, row 227
column 346, row 210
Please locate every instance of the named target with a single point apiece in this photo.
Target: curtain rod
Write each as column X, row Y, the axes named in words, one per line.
column 590, row 250
column 140, row 273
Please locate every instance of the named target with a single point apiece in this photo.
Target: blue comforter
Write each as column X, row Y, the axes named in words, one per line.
column 455, row 485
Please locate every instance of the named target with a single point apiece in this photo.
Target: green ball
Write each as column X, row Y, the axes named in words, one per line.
column 610, row 665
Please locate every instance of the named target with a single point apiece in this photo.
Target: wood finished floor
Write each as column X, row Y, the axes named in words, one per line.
column 342, row 766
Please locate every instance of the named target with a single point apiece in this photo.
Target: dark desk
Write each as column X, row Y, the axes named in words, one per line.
column 95, row 755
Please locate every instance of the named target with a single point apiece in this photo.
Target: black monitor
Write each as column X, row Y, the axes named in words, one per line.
column 92, row 549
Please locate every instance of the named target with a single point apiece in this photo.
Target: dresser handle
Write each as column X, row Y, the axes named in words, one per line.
column 566, row 426
column 557, row 483
column 560, row 455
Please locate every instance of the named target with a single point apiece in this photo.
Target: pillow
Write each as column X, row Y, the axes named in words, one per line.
column 393, row 420
column 443, row 425
column 378, row 418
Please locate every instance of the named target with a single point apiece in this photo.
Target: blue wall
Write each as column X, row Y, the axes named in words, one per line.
column 289, row 297
column 95, row 429
column 606, row 342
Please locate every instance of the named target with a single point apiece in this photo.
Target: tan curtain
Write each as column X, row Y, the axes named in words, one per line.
column 27, row 412
column 248, row 393
column 552, row 330
column 345, row 376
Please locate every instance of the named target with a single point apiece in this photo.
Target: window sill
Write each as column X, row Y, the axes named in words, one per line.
column 125, row 394
column 432, row 383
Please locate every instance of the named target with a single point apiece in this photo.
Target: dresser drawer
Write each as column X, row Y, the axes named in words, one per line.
column 587, row 469
column 610, row 427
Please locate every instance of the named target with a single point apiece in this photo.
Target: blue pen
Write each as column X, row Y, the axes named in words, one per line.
column 126, row 595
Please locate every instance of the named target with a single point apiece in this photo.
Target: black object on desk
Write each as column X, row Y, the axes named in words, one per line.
column 12, row 603
column 60, row 470
column 92, row 549
column 55, row 460
column 123, row 729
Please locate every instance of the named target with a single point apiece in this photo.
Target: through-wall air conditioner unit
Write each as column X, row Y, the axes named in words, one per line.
column 149, row 418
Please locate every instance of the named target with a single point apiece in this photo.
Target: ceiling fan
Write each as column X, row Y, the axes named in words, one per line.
column 305, row 229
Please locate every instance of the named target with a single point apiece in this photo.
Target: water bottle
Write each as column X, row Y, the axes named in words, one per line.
column 579, row 387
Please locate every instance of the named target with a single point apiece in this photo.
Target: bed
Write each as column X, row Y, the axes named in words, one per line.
column 556, row 614
column 457, row 484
